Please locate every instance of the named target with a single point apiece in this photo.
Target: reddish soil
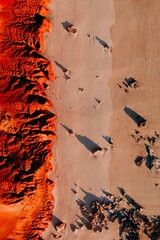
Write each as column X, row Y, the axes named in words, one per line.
column 26, row 121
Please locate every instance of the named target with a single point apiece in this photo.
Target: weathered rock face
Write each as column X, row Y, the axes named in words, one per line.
column 26, row 122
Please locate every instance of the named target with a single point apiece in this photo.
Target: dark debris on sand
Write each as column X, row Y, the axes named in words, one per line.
column 132, row 223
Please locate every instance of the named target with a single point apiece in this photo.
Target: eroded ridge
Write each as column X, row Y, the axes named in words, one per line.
column 26, row 121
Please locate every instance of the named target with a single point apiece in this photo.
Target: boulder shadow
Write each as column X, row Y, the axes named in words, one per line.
column 103, row 43
column 88, row 199
column 89, row 144
column 66, row 128
column 130, row 81
column 138, row 119
column 66, row 24
column 60, row 66
column 55, row 220
column 149, row 157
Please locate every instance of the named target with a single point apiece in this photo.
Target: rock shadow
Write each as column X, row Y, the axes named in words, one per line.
column 138, row 119
column 149, row 157
column 88, row 199
column 103, row 43
column 108, row 139
column 66, row 128
column 55, row 220
column 61, row 67
column 88, row 143
column 66, row 24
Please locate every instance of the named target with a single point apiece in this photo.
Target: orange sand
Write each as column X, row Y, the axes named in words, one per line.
column 26, row 123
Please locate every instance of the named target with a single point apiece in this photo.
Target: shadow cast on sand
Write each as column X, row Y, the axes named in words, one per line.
column 61, row 67
column 66, row 128
column 89, row 144
column 55, row 220
column 108, row 139
column 66, row 24
column 149, row 157
column 104, row 44
column 97, row 212
column 138, row 119
column 88, row 199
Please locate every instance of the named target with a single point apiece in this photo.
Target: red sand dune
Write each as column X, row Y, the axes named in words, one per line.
column 26, row 122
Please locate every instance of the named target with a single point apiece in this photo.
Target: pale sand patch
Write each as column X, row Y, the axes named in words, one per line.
column 90, row 66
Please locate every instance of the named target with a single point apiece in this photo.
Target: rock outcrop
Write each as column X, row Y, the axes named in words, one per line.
column 26, row 121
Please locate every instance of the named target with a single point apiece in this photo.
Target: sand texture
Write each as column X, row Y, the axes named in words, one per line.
column 106, row 95
column 83, row 104
column 136, row 55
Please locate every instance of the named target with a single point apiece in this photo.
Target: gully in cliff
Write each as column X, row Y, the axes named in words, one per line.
column 26, row 122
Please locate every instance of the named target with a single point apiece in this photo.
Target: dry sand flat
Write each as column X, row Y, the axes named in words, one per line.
column 90, row 66
column 78, row 173
column 136, row 51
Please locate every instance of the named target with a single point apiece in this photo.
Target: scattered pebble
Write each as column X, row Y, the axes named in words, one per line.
column 81, row 89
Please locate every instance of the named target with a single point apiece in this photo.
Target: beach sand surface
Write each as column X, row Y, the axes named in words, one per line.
column 132, row 29
column 86, row 112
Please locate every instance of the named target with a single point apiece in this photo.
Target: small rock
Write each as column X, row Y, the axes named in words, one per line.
column 60, row 226
column 143, row 123
column 81, row 89
column 155, row 165
column 72, row 31
column 70, row 131
column 139, row 160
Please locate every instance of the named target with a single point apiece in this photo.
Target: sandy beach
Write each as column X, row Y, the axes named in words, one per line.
column 95, row 101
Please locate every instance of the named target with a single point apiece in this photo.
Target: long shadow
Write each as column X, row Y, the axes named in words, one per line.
column 149, row 157
column 73, row 227
column 88, row 199
column 66, row 24
column 133, row 202
column 61, row 67
column 138, row 119
column 129, row 219
column 121, row 190
column 107, row 194
column 89, row 144
column 104, row 44
column 84, row 221
column 129, row 199
column 55, row 220
column 97, row 100
column 66, row 128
